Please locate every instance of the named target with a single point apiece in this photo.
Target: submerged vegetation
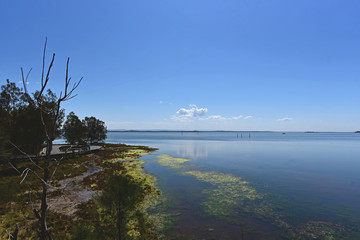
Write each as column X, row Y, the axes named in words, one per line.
column 228, row 192
column 228, row 196
column 173, row 162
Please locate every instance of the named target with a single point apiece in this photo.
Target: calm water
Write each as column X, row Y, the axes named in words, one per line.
column 306, row 185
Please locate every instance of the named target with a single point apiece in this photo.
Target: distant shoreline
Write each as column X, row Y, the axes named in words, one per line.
column 183, row 131
column 242, row 131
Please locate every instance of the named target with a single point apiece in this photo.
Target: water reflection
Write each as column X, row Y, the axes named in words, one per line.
column 190, row 149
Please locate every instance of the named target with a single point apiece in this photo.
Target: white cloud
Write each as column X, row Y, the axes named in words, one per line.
column 285, row 119
column 193, row 111
column 216, row 117
column 181, row 118
column 236, row 118
column 21, row 82
column 161, row 102
column 219, row 117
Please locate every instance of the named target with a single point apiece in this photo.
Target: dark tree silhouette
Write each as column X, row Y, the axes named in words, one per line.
column 96, row 129
column 74, row 130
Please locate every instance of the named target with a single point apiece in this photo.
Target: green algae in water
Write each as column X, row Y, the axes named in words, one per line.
column 231, row 195
column 139, row 152
column 170, row 161
column 130, row 154
column 229, row 192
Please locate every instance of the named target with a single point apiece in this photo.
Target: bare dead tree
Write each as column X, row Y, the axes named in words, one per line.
column 49, row 129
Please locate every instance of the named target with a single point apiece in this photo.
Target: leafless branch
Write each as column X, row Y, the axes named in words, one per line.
column 27, row 155
column 9, row 234
column 24, row 174
column 57, row 165
column 17, row 170
column 29, row 186
column 43, row 63
column 67, row 93
column 13, row 236
column 24, row 80
column 43, row 84
column 27, row 75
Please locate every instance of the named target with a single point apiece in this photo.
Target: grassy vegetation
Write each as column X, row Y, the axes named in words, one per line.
column 92, row 220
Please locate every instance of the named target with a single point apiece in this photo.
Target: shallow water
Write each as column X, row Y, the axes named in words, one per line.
column 268, row 185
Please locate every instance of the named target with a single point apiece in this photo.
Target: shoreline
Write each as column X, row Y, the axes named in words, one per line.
column 80, row 180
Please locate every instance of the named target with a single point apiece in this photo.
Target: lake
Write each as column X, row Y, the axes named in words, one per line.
column 255, row 185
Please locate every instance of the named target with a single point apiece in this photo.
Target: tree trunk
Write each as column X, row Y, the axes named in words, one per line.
column 44, row 234
column 37, row 158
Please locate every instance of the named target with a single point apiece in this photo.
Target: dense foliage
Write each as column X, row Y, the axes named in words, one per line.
column 20, row 123
column 90, row 130
column 96, row 129
column 74, row 130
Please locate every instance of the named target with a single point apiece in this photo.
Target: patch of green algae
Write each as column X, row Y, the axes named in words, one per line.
column 229, row 192
column 170, row 161
column 231, row 195
column 130, row 154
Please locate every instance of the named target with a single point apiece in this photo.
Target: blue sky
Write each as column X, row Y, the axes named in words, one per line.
column 195, row 64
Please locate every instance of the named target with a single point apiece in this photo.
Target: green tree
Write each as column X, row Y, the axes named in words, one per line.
column 21, row 122
column 52, row 113
column 74, row 129
column 9, row 94
column 27, row 129
column 96, row 129
column 4, row 152
column 11, row 98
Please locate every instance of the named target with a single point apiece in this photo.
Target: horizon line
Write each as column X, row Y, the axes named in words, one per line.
column 165, row 130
